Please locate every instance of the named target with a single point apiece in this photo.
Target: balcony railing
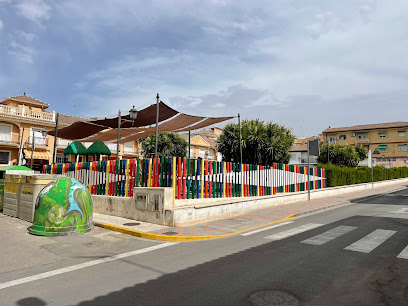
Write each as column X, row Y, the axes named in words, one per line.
column 9, row 138
column 24, row 113
column 362, row 141
column 38, row 141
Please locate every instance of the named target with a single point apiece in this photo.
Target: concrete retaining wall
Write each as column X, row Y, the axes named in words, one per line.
column 156, row 205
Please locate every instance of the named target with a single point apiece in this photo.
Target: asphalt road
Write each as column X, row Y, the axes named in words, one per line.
column 353, row 255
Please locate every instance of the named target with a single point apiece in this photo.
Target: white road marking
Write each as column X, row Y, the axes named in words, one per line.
column 329, row 235
column 371, row 241
column 266, row 228
column 404, row 253
column 294, row 231
column 400, row 211
column 82, row 265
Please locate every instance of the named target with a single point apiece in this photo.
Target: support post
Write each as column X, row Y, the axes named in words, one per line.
column 157, row 124
column 189, row 144
column 32, row 152
column 308, row 172
column 240, row 138
column 20, row 148
column 55, row 139
column 372, row 170
column 117, row 142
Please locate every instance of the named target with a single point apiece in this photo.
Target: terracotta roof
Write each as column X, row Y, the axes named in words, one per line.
column 399, row 124
column 298, row 147
column 68, row 120
column 28, row 99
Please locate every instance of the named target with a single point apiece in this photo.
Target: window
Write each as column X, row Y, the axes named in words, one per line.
column 382, row 148
column 401, row 133
column 4, row 158
column 61, row 159
column 332, row 139
column 63, row 142
column 202, row 152
column 402, row 147
column 129, row 147
column 5, row 133
column 362, row 136
column 342, row 137
column 382, row 134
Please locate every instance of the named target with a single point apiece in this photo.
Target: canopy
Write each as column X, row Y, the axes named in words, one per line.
column 170, row 120
column 99, row 148
column 75, row 148
column 37, row 154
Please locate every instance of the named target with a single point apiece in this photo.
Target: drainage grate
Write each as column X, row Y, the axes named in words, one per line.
column 170, row 233
column 272, row 297
column 131, row 224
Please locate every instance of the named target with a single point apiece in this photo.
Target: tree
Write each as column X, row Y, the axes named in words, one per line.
column 342, row 155
column 262, row 143
column 169, row 144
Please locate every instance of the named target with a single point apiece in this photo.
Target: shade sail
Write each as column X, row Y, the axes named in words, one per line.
column 204, row 123
column 75, row 148
column 78, row 130
column 99, row 148
column 112, row 134
column 145, row 117
column 37, row 154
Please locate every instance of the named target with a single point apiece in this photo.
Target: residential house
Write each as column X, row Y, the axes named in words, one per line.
column 24, row 120
column 299, row 152
column 390, row 139
column 203, row 144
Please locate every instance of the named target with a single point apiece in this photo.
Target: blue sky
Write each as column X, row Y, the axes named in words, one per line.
column 304, row 64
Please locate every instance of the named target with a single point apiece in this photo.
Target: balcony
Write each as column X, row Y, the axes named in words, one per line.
column 9, row 138
column 362, row 141
column 28, row 114
column 38, row 141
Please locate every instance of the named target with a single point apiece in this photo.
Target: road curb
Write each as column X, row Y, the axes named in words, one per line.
column 356, row 200
column 321, row 208
column 151, row 236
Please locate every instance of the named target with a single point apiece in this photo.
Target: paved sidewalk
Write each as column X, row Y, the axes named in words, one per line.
column 243, row 222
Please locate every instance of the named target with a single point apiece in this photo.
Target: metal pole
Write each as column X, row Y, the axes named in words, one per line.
column 189, row 143
column 328, row 151
column 157, row 125
column 117, row 141
column 55, row 139
column 32, row 152
column 372, row 171
column 20, row 148
column 240, row 138
column 308, row 172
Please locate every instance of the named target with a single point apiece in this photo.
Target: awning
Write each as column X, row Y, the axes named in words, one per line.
column 382, row 146
column 37, row 154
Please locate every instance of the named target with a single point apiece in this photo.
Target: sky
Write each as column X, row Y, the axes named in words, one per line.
column 306, row 65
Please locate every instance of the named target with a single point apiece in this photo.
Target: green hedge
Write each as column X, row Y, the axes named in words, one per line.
column 340, row 176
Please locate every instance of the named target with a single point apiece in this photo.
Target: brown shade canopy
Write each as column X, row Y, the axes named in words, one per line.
column 106, row 129
column 146, row 116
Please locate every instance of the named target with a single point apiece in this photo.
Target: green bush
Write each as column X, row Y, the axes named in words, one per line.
column 340, row 176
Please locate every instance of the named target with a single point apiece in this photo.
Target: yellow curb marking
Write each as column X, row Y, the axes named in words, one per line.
column 179, row 238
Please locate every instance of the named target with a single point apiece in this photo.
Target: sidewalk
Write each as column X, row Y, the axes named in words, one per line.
column 231, row 226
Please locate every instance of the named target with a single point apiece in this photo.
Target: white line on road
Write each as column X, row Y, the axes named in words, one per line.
column 400, row 211
column 294, row 231
column 404, row 253
column 329, row 235
column 266, row 228
column 83, row 265
column 371, row 241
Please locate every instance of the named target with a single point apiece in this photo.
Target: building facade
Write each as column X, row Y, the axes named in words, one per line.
column 203, row 144
column 24, row 122
column 389, row 139
column 298, row 152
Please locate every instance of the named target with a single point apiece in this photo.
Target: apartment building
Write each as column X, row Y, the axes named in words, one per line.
column 24, row 119
column 389, row 139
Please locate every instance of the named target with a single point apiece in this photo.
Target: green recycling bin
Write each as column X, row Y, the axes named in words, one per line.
column 63, row 207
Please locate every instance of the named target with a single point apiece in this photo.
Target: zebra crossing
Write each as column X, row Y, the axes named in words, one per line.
column 366, row 244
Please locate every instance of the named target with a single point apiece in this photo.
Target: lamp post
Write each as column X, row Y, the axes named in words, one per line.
column 375, row 152
column 133, row 116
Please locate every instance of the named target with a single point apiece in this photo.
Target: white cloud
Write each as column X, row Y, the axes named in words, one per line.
column 22, row 52
column 34, row 10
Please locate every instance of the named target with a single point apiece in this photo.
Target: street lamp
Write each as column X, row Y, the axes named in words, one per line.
column 133, row 115
column 375, row 152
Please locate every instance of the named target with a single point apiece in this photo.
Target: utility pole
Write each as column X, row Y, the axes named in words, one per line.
column 157, row 124
column 189, row 143
column 308, row 172
column 32, row 151
column 240, row 138
column 117, row 141
column 55, row 139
